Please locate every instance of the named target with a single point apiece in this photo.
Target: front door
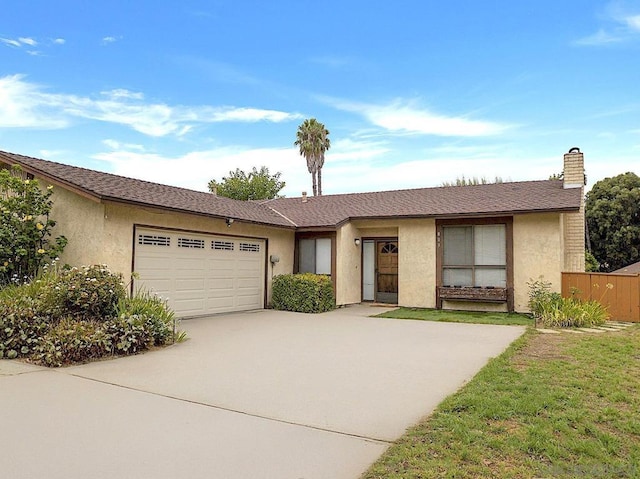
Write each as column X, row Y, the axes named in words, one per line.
column 387, row 272
column 380, row 271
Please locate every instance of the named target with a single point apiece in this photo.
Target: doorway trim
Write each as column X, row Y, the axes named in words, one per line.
column 378, row 296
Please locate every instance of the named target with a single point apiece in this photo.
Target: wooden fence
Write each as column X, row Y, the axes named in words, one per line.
column 620, row 293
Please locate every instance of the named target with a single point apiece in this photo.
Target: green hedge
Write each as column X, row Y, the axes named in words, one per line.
column 303, row 293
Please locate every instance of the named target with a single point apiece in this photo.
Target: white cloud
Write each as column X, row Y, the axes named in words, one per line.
column 22, row 104
column 402, row 116
column 27, row 104
column 107, row 40
column 348, row 149
column 633, row 22
column 194, row 169
column 59, row 41
column 251, row 115
column 28, row 41
column 601, row 37
column 120, row 93
column 622, row 24
column 10, row 42
column 116, row 145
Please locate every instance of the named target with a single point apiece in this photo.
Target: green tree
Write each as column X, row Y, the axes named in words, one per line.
column 256, row 185
column 613, row 220
column 591, row 264
column 25, row 228
column 313, row 140
column 463, row 181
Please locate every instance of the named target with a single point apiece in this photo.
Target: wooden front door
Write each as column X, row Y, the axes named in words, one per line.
column 387, row 271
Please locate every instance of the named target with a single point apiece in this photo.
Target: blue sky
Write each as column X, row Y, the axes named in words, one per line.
column 413, row 93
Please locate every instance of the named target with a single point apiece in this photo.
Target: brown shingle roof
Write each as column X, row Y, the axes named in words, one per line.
column 106, row 186
column 320, row 211
column 450, row 201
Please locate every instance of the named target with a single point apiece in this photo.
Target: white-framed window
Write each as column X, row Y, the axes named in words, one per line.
column 314, row 255
column 475, row 255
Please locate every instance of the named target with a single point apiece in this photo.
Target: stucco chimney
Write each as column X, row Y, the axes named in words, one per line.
column 574, row 176
column 214, row 190
column 574, row 223
column 304, row 196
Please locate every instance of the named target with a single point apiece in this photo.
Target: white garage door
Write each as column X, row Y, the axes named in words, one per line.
column 201, row 274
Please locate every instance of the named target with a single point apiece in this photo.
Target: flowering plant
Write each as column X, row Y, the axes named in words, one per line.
column 25, row 227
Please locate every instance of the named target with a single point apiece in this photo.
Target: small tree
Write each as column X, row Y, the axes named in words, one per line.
column 25, row 227
column 257, row 185
column 463, row 181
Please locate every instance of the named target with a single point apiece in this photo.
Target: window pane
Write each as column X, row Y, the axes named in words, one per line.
column 491, row 277
column 307, row 263
column 323, row 256
column 457, row 245
column 456, row 277
column 490, row 245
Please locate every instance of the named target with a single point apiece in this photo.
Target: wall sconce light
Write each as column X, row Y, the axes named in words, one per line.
column 356, row 241
column 229, row 222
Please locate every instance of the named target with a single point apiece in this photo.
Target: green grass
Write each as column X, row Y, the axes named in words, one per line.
column 551, row 406
column 459, row 316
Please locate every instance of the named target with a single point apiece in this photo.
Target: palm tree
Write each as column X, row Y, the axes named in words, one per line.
column 313, row 140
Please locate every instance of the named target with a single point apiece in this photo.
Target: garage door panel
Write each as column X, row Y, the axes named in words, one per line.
column 201, row 274
column 248, row 283
column 190, row 285
column 221, row 284
column 188, row 307
column 220, row 305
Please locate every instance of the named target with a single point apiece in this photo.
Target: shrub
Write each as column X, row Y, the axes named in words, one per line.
column 89, row 292
column 21, row 324
column 158, row 319
column 23, row 319
column 25, row 227
column 73, row 341
column 129, row 334
column 77, row 315
column 552, row 310
column 304, row 293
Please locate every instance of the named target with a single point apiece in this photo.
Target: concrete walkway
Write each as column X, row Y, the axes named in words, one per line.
column 254, row 395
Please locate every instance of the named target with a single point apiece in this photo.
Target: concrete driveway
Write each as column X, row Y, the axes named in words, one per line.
column 263, row 394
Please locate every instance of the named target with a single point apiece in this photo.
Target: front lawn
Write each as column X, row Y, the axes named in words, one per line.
column 552, row 406
column 459, row 316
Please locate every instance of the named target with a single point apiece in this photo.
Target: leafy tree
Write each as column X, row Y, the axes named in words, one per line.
column 25, row 228
column 462, row 181
column 613, row 220
column 591, row 264
column 256, row 185
column 313, row 140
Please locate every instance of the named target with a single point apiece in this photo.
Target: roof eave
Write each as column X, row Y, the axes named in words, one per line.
column 191, row 212
column 485, row 214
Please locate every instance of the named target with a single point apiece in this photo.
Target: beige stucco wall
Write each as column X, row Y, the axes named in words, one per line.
column 81, row 220
column 417, row 263
column 416, row 259
column 348, row 266
column 537, row 251
column 103, row 233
